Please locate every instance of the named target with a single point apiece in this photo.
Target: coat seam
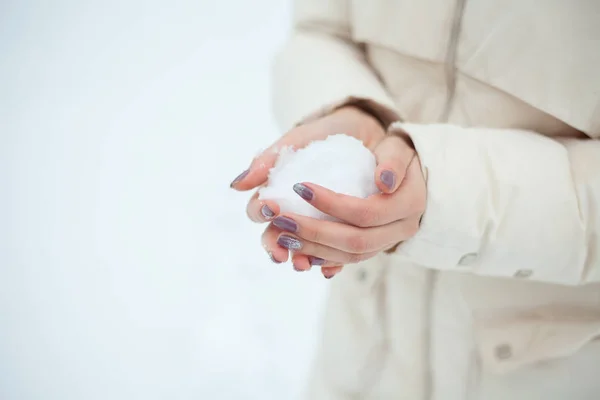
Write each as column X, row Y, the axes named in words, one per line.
column 451, row 53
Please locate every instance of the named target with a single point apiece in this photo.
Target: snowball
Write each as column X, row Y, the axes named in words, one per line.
column 340, row 163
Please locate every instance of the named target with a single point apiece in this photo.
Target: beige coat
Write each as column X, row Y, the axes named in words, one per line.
column 498, row 295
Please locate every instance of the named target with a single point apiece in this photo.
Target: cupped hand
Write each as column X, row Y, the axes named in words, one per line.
column 368, row 226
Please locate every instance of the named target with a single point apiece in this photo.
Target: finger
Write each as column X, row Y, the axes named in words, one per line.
column 375, row 210
column 316, row 261
column 261, row 210
column 277, row 253
column 296, row 244
column 330, row 272
column 258, row 171
column 301, row 262
column 372, row 211
column 393, row 155
column 344, row 237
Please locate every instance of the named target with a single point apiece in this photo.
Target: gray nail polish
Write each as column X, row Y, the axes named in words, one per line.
column 289, row 242
column 303, row 191
column 388, row 178
column 239, row 178
column 316, row 261
column 267, row 212
column 286, row 224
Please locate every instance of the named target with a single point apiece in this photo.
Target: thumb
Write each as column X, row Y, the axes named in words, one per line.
column 394, row 155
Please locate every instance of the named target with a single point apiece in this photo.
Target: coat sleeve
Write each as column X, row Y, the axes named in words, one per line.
column 508, row 203
column 320, row 68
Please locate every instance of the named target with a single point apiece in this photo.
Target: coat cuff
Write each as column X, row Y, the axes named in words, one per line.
column 443, row 241
column 499, row 203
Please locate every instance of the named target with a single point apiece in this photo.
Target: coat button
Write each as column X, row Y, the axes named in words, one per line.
column 523, row 273
column 503, row 351
column 468, row 259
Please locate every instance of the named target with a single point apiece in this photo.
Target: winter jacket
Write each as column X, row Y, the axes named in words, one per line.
column 497, row 297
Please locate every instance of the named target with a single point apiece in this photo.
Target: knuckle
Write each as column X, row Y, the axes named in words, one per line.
column 357, row 243
column 399, row 163
column 366, row 217
column 314, row 234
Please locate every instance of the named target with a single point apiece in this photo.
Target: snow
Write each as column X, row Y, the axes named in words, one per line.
column 340, row 163
column 128, row 269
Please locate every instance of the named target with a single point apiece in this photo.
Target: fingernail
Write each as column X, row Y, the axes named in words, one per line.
column 328, row 276
column 286, row 224
column 239, row 178
column 298, row 269
column 388, row 178
column 303, row 191
column 267, row 212
column 316, row 261
column 289, row 242
column 273, row 258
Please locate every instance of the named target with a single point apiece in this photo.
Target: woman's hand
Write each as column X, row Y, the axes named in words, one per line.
column 369, row 225
column 349, row 120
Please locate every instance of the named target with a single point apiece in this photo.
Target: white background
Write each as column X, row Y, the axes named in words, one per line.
column 127, row 267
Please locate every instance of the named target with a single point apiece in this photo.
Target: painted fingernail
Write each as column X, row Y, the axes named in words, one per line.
column 273, row 258
column 303, row 191
column 316, row 261
column 288, row 242
column 239, row 178
column 388, row 178
column 267, row 212
column 286, row 224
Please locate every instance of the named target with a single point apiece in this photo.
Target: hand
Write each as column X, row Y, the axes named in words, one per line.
column 371, row 225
